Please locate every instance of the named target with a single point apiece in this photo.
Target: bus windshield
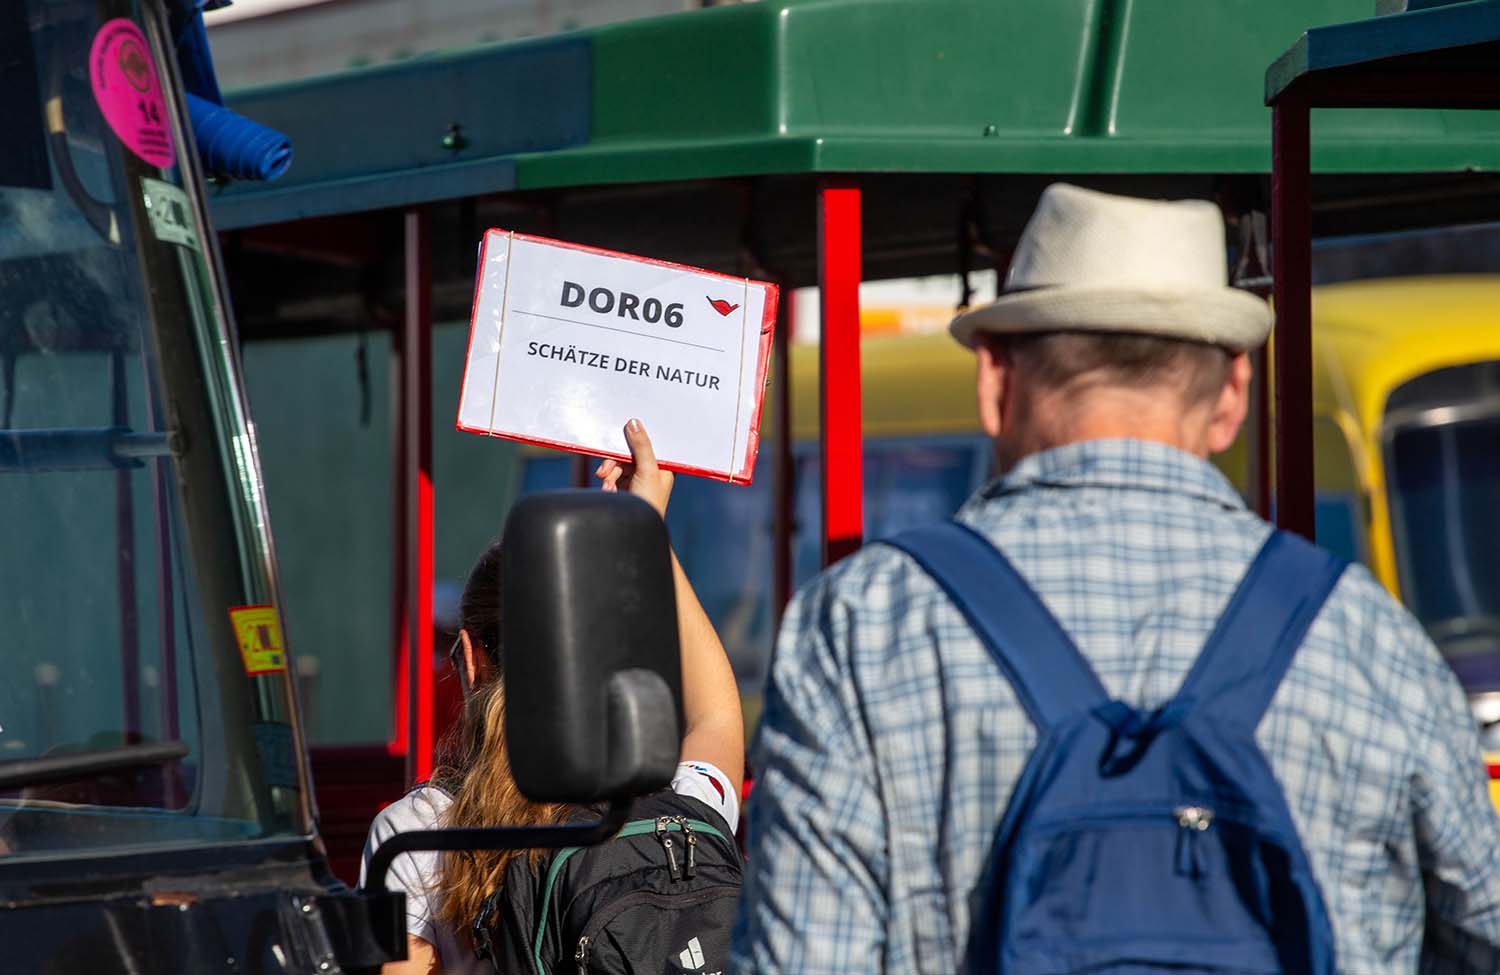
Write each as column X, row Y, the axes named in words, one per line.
column 144, row 699
column 1445, row 484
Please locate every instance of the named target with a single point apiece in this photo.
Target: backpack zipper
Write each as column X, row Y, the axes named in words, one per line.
column 614, row 909
column 1070, row 819
column 664, row 837
column 1192, row 820
column 635, row 827
column 692, row 843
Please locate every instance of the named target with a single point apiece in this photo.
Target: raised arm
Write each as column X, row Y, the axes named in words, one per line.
column 714, row 729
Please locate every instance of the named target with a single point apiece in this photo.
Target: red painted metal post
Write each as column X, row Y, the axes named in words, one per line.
column 785, row 487
column 417, row 407
column 1258, row 439
column 583, row 470
column 399, row 630
column 838, row 285
column 1291, row 261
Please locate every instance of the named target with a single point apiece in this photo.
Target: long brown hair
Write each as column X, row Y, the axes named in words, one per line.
column 474, row 764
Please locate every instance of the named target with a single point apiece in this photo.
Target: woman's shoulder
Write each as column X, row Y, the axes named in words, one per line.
column 421, row 808
column 706, row 783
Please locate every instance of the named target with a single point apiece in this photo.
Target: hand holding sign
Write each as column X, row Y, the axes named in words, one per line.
column 642, row 478
column 568, row 342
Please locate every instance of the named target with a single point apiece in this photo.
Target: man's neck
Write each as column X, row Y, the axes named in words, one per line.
column 1117, row 414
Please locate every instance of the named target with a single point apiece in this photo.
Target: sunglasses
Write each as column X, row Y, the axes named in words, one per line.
column 456, row 659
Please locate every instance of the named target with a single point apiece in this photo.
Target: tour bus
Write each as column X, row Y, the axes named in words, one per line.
column 1406, row 434
column 156, row 808
column 156, row 805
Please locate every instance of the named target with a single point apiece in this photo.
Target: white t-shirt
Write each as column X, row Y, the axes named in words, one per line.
column 415, row 874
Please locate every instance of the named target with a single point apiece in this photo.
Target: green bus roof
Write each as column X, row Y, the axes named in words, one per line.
column 831, row 86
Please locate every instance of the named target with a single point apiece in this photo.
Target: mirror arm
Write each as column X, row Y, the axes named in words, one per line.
column 496, row 838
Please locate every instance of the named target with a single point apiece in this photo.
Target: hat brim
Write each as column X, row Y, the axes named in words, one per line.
column 1226, row 316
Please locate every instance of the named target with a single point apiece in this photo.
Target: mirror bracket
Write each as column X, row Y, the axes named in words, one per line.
column 495, row 838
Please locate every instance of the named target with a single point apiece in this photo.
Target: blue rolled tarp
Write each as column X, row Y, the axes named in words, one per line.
column 231, row 145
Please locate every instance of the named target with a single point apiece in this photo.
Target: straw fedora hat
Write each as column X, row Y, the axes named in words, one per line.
column 1095, row 262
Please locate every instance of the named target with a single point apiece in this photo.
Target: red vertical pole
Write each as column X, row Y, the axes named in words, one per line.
column 400, row 724
column 785, row 487
column 417, row 407
column 838, row 284
column 583, row 471
column 1258, row 446
column 1291, row 261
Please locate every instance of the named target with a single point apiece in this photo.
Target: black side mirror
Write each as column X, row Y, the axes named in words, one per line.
column 588, row 627
column 593, row 673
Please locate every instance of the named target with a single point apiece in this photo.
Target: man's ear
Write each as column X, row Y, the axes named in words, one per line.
column 1232, row 405
column 994, row 373
column 476, row 662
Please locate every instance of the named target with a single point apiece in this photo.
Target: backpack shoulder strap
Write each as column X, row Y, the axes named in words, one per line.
column 1261, row 628
column 1049, row 675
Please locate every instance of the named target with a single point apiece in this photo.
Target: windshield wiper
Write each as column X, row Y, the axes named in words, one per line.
column 77, row 765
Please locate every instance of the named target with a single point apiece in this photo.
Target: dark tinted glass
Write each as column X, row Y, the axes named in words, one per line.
column 1445, row 507
column 135, row 710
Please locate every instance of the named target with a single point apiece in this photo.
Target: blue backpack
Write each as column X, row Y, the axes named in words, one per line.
column 1140, row 842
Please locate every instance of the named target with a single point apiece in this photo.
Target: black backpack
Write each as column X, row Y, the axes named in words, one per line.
column 657, row 898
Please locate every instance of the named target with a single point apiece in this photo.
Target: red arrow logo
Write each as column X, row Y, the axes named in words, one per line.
column 720, row 305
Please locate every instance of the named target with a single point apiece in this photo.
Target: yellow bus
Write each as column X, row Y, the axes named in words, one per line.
column 1407, row 443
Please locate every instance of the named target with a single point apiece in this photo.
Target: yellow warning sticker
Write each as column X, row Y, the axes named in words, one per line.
column 259, row 633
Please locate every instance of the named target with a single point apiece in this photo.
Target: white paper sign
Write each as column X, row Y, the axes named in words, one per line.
column 569, row 342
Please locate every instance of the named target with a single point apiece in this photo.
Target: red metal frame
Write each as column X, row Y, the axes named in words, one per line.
column 1422, row 83
column 400, row 683
column 784, row 487
column 1258, row 448
column 419, row 522
column 1291, row 262
column 840, row 436
column 413, row 565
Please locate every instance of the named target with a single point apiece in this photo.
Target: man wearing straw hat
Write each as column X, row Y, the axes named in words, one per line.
column 892, row 741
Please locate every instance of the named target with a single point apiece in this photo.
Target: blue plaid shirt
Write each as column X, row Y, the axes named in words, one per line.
column 890, row 742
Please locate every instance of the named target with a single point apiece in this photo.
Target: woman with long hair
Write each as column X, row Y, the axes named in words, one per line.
column 473, row 785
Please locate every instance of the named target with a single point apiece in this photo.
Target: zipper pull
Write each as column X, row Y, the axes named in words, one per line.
column 1192, row 820
column 664, row 835
column 581, row 956
column 691, row 839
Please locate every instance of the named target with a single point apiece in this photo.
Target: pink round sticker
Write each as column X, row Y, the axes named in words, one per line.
column 129, row 93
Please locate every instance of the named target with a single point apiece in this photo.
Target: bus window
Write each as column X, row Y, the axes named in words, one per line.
column 1337, row 507
column 723, row 533
column 550, row 473
column 1336, row 516
column 144, row 697
column 907, row 482
column 917, row 482
column 1444, row 482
